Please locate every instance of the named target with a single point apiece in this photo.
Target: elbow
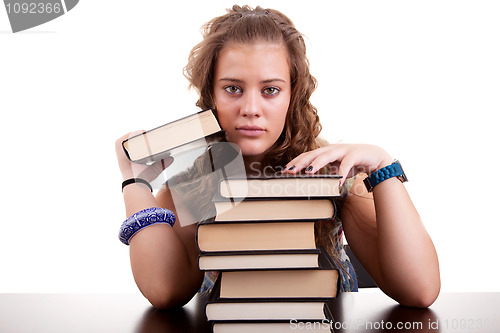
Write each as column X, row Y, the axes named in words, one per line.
column 422, row 301
column 424, row 297
column 161, row 302
column 166, row 298
column 421, row 289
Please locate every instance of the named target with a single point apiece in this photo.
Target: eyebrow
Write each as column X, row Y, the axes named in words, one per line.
column 241, row 81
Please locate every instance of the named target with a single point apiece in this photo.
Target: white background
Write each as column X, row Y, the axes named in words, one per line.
column 419, row 78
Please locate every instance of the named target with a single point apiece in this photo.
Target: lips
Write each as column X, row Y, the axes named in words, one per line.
column 250, row 130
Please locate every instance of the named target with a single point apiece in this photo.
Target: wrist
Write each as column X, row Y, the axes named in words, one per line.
column 389, row 171
column 143, row 219
column 136, row 182
column 127, row 174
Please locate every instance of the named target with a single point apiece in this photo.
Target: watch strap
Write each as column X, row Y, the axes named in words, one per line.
column 389, row 171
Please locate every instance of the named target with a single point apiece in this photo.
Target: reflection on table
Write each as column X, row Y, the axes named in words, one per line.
column 353, row 312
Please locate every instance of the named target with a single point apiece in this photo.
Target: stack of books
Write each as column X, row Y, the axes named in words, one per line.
column 272, row 277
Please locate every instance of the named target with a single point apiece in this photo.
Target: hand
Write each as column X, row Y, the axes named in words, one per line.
column 346, row 160
column 130, row 169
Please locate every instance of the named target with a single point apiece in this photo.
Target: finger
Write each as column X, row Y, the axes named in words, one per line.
column 345, row 168
column 152, row 171
column 329, row 156
column 321, row 160
column 119, row 142
column 166, row 162
column 302, row 161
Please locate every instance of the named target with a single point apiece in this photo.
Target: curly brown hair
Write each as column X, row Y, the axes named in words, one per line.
column 247, row 25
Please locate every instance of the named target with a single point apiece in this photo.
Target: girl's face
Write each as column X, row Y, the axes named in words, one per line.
column 252, row 93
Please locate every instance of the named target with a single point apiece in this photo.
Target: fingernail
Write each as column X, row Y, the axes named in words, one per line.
column 291, row 168
column 309, row 168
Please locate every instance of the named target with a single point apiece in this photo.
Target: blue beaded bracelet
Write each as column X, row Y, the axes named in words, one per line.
column 143, row 219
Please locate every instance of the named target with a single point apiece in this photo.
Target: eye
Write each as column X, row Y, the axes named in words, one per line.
column 233, row 89
column 271, row 91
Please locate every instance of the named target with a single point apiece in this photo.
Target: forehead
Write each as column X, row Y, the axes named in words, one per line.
column 256, row 59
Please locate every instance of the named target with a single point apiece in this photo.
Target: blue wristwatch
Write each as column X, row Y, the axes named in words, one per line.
column 392, row 170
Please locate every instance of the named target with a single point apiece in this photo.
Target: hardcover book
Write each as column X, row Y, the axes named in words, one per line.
column 190, row 132
column 276, row 327
column 247, row 260
column 274, row 209
column 313, row 283
column 282, row 186
column 263, row 309
column 255, row 235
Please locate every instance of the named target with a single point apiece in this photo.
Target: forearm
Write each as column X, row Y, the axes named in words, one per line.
column 387, row 237
column 162, row 257
column 162, row 267
column 408, row 261
column 137, row 197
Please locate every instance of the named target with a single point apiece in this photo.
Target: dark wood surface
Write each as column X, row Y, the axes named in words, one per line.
column 124, row 313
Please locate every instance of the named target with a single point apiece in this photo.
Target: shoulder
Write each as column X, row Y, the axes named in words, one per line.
column 321, row 142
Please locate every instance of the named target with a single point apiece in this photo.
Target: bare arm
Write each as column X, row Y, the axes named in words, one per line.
column 388, row 237
column 384, row 230
column 163, row 258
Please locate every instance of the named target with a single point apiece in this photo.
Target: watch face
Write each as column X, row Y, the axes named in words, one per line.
column 368, row 185
column 403, row 177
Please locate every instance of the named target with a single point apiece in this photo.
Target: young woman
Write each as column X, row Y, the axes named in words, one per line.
column 251, row 67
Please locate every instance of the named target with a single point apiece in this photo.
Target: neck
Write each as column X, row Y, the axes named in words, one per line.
column 257, row 169
column 253, row 165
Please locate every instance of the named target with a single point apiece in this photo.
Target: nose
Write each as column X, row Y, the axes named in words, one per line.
column 251, row 106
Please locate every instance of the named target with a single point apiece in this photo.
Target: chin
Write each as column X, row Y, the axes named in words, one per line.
column 253, row 148
column 252, row 151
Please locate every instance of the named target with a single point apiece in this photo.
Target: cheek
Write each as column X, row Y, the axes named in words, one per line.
column 225, row 119
column 280, row 118
column 278, row 124
column 223, row 110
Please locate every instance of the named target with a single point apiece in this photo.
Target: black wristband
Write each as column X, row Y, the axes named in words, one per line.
column 136, row 180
